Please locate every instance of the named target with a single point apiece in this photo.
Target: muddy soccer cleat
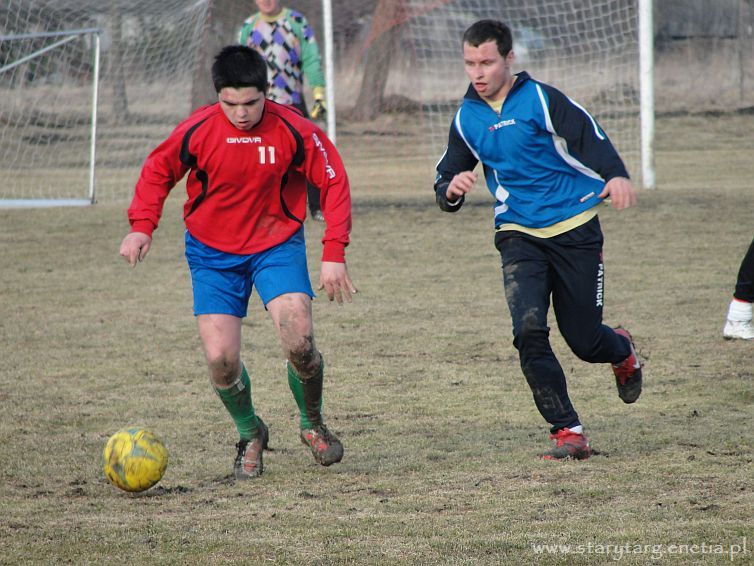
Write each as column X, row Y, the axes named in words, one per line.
column 248, row 462
column 628, row 372
column 569, row 445
column 324, row 445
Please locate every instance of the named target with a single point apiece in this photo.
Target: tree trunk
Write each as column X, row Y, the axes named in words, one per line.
column 383, row 40
column 224, row 21
column 117, row 72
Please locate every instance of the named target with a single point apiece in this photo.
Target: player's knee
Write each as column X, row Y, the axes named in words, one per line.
column 531, row 333
column 584, row 341
column 223, row 369
column 294, row 316
column 584, row 349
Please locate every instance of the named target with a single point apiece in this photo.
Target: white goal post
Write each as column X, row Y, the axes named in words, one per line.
column 647, row 85
column 329, row 68
column 22, row 103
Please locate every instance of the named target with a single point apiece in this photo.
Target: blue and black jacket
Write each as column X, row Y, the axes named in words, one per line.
column 545, row 158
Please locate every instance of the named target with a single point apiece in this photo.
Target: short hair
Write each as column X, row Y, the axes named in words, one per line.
column 238, row 66
column 490, row 30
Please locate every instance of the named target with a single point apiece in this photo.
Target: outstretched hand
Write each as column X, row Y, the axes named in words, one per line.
column 135, row 247
column 334, row 279
column 621, row 192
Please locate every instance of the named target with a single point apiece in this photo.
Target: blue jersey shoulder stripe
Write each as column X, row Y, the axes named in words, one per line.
column 560, row 144
column 459, row 129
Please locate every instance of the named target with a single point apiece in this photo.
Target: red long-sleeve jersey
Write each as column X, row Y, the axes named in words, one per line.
column 246, row 188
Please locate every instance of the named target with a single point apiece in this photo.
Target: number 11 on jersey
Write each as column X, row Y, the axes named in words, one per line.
column 266, row 154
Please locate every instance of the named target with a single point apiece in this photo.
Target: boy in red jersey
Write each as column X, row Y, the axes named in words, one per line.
column 248, row 160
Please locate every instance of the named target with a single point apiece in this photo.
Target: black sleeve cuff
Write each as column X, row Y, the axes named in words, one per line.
column 441, row 197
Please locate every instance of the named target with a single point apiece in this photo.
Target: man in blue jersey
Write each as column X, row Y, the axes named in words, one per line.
column 549, row 165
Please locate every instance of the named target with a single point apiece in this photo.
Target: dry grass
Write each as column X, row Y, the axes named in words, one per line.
column 423, row 384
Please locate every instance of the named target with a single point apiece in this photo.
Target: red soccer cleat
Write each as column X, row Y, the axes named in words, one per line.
column 569, row 445
column 628, row 372
column 324, row 445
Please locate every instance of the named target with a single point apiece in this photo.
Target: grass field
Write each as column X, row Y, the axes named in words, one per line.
column 423, row 385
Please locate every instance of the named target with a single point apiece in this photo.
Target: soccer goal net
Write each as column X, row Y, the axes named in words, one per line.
column 396, row 65
column 48, row 139
column 48, row 80
column 587, row 48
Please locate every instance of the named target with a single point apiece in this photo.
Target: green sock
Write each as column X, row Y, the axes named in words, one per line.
column 308, row 395
column 237, row 400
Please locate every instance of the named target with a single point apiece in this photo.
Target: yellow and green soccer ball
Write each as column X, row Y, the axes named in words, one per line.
column 134, row 459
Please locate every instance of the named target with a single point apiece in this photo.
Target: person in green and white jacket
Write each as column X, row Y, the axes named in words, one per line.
column 286, row 41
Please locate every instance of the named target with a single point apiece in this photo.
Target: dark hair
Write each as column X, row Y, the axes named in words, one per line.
column 238, row 66
column 490, row 30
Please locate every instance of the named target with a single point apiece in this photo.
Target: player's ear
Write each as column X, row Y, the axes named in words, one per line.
column 510, row 58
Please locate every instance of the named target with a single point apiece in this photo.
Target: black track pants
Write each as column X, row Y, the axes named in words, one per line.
column 745, row 282
column 569, row 268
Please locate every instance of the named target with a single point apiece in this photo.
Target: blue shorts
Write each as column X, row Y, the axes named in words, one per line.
column 222, row 282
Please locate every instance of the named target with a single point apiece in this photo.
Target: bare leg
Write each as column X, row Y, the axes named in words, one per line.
column 292, row 315
column 221, row 339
